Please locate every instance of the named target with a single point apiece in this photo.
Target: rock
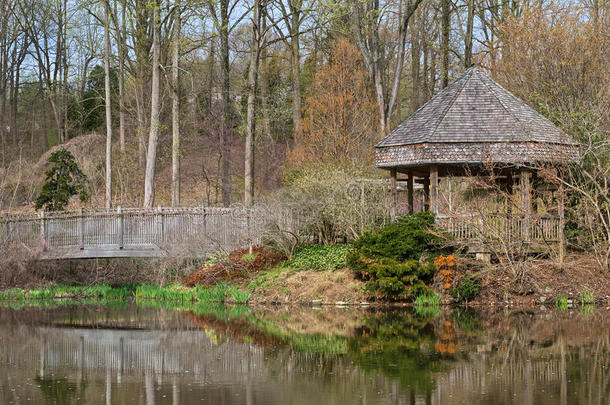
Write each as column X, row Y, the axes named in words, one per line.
column 542, row 299
column 315, row 303
column 364, row 304
column 341, row 303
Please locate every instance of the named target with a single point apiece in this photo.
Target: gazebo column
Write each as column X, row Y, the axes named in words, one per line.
column 410, row 191
column 434, row 189
column 525, row 178
column 426, row 194
column 510, row 187
column 394, row 193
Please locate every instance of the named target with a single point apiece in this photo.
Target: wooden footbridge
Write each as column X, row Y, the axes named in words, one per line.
column 136, row 233
column 199, row 232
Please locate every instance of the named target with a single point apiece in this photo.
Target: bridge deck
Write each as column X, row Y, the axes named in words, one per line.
column 104, row 252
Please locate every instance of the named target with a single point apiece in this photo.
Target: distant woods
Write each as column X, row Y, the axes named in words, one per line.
column 208, row 101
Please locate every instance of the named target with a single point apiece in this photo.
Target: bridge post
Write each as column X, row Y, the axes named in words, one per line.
column 8, row 230
column 162, row 221
column 43, row 228
column 121, row 227
column 81, row 229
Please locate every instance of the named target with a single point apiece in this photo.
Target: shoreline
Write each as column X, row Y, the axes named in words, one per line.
column 187, row 296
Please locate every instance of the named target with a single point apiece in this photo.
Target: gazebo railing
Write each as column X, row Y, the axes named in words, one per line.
column 511, row 227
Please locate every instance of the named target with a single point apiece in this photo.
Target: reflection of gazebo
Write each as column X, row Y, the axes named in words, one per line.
column 470, row 126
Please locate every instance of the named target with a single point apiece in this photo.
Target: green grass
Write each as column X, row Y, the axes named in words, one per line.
column 240, row 297
column 318, row 257
column 561, row 303
column 249, row 257
column 428, row 304
column 104, row 291
column 265, row 278
column 141, row 292
column 587, row 297
column 428, row 300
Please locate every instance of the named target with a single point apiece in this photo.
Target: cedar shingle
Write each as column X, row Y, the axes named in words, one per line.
column 484, row 120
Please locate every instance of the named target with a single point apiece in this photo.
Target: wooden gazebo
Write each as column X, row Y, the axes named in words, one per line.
column 471, row 125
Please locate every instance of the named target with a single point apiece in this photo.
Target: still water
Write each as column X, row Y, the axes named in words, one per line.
column 61, row 353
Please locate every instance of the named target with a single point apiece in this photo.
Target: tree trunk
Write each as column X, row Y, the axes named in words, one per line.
column 415, row 52
column 264, row 85
column 226, row 132
column 121, row 48
column 295, row 65
column 371, row 53
column 153, row 136
column 107, row 105
column 65, row 71
column 176, row 108
column 445, row 21
column 468, row 39
column 251, row 112
column 400, row 59
column 12, row 97
column 424, row 41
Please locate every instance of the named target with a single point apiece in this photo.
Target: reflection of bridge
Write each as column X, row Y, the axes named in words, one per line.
column 133, row 232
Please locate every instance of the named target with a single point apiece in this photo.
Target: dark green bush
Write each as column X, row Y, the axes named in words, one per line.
column 389, row 278
column 406, row 239
column 467, row 288
column 389, row 260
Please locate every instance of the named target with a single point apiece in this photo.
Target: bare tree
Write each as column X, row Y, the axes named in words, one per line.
column 176, row 107
column 107, row 104
column 366, row 22
column 153, row 136
column 220, row 11
column 251, row 114
column 445, row 27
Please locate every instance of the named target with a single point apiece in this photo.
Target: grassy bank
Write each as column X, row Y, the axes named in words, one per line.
column 138, row 292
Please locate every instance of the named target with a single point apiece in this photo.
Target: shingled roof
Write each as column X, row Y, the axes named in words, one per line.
column 474, row 120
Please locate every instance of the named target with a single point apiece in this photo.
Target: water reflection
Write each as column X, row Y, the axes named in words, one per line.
column 138, row 354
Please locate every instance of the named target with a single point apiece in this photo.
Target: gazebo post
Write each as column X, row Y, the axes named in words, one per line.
column 410, row 191
column 510, row 185
column 393, row 192
column 434, row 189
column 426, row 193
column 526, row 203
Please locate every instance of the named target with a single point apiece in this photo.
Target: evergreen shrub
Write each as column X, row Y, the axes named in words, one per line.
column 389, row 260
column 467, row 288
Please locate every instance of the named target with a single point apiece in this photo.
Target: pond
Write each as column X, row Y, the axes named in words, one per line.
column 146, row 353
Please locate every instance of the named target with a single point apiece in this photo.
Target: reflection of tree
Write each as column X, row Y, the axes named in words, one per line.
column 59, row 391
column 399, row 344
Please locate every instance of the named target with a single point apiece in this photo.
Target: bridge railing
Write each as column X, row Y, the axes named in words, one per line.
column 132, row 228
